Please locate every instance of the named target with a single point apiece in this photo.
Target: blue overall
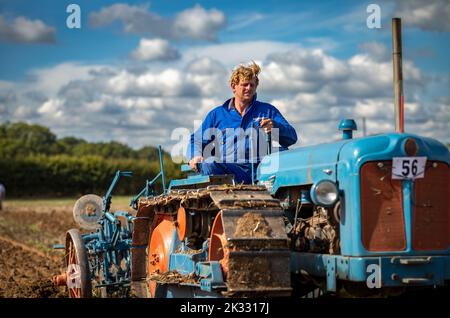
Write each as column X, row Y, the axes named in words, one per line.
column 224, row 131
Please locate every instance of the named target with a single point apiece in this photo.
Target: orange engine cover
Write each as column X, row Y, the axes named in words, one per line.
column 382, row 219
column 431, row 221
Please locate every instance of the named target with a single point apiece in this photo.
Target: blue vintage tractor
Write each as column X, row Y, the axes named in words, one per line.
column 368, row 212
column 366, row 215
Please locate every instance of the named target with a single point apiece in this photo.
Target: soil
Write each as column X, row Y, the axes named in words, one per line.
column 26, row 274
column 27, row 258
column 173, row 277
column 188, row 251
column 252, row 225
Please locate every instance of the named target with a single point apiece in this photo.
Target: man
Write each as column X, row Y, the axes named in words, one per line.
column 2, row 195
column 227, row 139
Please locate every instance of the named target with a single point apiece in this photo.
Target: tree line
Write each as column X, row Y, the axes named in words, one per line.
column 34, row 162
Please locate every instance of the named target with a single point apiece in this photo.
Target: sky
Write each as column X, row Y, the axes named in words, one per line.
column 141, row 72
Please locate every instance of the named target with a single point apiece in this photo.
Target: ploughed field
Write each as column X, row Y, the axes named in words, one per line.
column 30, row 228
column 28, row 231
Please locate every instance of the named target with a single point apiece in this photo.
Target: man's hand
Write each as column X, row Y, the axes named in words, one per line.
column 267, row 124
column 194, row 161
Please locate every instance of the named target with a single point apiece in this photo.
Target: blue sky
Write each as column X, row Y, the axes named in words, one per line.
column 124, row 69
column 286, row 21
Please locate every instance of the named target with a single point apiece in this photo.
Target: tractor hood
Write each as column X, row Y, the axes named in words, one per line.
column 300, row 166
column 307, row 165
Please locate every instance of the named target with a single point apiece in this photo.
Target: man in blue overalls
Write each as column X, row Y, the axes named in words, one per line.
column 230, row 135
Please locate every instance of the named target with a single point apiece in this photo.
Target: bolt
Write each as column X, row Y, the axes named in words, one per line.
column 394, row 276
column 154, row 258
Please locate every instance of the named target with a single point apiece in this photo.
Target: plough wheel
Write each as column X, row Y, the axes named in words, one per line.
column 76, row 260
column 218, row 247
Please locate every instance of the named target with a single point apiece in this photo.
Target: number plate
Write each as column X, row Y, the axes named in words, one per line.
column 408, row 167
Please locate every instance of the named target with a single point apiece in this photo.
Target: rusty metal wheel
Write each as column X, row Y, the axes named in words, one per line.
column 78, row 274
column 160, row 244
column 218, row 246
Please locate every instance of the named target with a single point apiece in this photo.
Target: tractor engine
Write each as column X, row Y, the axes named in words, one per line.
column 311, row 228
column 316, row 234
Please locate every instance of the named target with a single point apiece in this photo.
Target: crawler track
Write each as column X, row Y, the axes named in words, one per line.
column 246, row 230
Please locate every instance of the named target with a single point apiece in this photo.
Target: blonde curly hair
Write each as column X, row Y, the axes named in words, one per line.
column 245, row 72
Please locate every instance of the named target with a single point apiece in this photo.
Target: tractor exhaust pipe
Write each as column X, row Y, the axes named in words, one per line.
column 398, row 74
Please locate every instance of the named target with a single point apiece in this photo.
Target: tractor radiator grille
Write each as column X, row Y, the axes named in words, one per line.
column 431, row 219
column 382, row 217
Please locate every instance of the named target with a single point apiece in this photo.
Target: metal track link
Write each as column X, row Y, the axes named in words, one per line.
column 258, row 258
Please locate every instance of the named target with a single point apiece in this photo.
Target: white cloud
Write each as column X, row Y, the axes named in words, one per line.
column 198, row 23
column 155, row 50
column 311, row 71
column 135, row 19
column 432, row 15
column 371, row 108
column 377, row 51
column 50, row 80
column 24, row 30
column 313, row 89
column 234, row 53
column 209, row 75
column 169, row 82
column 52, row 108
column 300, row 70
column 24, row 113
column 195, row 23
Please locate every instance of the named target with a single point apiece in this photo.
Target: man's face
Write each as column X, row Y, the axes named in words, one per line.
column 245, row 89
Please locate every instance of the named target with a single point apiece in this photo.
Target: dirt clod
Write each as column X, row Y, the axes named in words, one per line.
column 173, row 277
column 252, row 225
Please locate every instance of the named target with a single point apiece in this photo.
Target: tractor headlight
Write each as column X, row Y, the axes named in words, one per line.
column 324, row 193
column 268, row 183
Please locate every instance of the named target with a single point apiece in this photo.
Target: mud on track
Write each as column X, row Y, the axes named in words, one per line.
column 27, row 260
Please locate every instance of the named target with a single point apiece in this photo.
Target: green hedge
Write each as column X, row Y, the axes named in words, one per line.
column 62, row 175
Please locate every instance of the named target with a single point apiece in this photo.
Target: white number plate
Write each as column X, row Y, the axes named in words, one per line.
column 408, row 167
